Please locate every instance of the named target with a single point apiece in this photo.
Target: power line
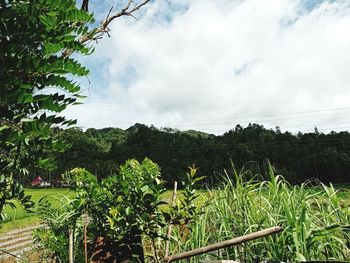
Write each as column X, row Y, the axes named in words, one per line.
column 252, row 119
column 271, row 115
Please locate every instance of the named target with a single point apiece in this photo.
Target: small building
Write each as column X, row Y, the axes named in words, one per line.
column 38, row 181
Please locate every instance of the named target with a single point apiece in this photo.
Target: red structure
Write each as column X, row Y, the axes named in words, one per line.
column 37, row 181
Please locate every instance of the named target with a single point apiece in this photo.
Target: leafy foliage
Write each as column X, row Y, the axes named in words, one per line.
column 187, row 209
column 36, row 78
column 129, row 206
column 138, row 190
column 123, row 207
column 53, row 240
column 10, row 191
column 297, row 156
column 315, row 220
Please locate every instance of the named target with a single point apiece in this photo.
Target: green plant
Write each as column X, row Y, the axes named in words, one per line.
column 11, row 191
column 315, row 220
column 184, row 211
column 125, row 206
column 53, row 239
column 38, row 76
column 128, row 211
column 35, row 84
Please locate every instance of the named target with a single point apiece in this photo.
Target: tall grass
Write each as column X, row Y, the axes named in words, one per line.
column 315, row 220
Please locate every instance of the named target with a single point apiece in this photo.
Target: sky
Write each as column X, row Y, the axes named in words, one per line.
column 211, row 64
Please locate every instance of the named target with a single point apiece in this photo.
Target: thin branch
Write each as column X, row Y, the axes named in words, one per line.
column 85, row 5
column 98, row 32
column 119, row 14
column 126, row 11
column 155, row 256
column 109, row 12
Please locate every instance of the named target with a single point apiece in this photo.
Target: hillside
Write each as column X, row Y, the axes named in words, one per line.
column 297, row 156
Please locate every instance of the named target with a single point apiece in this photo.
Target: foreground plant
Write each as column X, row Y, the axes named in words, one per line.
column 33, row 77
column 12, row 191
column 36, row 76
column 53, row 240
column 315, row 220
column 128, row 211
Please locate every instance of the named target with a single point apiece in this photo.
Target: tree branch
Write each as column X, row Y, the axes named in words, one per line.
column 126, row 11
column 97, row 33
column 85, row 5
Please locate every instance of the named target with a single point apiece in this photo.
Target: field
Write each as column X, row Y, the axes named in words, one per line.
column 18, row 218
column 315, row 219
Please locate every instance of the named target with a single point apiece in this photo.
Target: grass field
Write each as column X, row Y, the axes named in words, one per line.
column 315, row 220
column 18, row 218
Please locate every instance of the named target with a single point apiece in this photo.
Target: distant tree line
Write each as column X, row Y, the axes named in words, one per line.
column 298, row 157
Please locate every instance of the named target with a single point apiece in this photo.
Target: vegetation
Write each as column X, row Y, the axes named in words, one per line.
column 130, row 219
column 298, row 157
column 38, row 81
column 52, row 243
column 315, row 217
column 315, row 220
column 124, row 209
column 18, row 217
column 35, row 39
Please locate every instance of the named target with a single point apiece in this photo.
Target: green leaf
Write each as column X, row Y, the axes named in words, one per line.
column 25, row 86
column 145, row 188
column 48, row 21
column 3, row 127
column 28, row 98
column 27, row 120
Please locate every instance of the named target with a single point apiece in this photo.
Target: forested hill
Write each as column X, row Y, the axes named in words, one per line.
column 297, row 156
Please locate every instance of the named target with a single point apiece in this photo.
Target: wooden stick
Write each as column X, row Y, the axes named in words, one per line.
column 85, row 244
column 71, row 257
column 223, row 244
column 167, row 243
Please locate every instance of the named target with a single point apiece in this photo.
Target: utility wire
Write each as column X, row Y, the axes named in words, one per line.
column 257, row 118
column 270, row 115
column 251, row 119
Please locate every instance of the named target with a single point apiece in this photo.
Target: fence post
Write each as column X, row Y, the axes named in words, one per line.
column 71, row 258
column 86, row 220
column 167, row 243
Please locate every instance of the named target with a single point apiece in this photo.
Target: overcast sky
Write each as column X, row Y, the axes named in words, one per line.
column 210, row 64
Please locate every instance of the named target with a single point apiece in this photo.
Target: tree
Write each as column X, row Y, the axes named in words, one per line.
column 37, row 39
column 128, row 210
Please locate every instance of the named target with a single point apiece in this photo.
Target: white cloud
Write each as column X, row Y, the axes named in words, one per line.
column 208, row 64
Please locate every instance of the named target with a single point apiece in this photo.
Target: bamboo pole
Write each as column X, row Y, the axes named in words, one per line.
column 86, row 220
column 85, row 244
column 223, row 244
column 167, row 243
column 71, row 257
